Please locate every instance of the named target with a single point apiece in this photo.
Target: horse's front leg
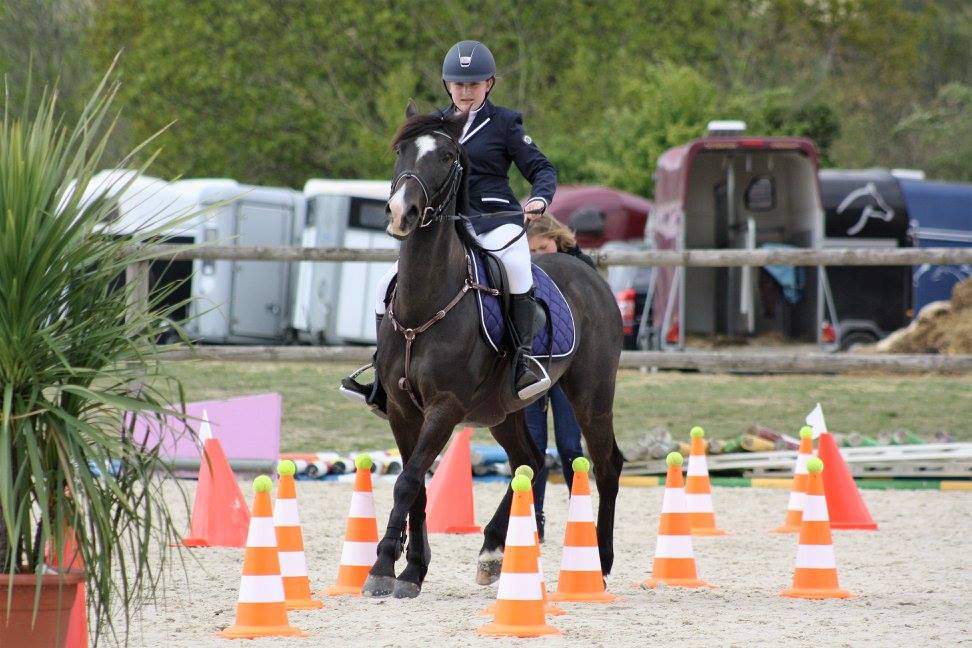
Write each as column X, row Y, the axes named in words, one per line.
column 410, row 484
column 419, row 553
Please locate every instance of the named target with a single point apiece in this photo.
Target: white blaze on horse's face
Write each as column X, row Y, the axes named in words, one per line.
column 424, row 144
column 396, row 212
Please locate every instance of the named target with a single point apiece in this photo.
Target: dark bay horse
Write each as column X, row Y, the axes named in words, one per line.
column 455, row 377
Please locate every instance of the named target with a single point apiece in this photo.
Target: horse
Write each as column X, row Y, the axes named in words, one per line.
column 439, row 372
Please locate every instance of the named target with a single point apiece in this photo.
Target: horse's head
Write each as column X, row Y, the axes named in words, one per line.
column 430, row 170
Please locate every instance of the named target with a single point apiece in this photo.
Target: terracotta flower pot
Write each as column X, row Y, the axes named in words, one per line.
column 58, row 592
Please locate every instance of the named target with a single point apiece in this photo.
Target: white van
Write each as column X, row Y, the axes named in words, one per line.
column 231, row 301
column 334, row 302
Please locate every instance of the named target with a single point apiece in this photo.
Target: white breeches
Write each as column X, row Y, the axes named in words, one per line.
column 515, row 258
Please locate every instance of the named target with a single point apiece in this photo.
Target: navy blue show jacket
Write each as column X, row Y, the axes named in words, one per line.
column 494, row 140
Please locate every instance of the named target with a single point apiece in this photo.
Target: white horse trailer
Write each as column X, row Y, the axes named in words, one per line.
column 231, row 301
column 334, row 302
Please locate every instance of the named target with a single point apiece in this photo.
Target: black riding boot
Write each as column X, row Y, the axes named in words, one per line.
column 526, row 381
column 371, row 394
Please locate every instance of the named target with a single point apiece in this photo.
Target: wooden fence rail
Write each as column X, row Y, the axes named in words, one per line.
column 714, row 361
column 689, row 258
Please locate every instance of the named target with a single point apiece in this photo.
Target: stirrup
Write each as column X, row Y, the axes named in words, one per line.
column 350, row 394
column 538, row 387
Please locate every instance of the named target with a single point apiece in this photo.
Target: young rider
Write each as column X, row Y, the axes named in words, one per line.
column 493, row 138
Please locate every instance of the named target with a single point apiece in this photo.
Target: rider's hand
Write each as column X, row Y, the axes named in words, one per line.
column 534, row 210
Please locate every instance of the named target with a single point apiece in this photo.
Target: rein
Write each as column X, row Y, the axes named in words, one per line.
column 430, row 214
column 405, row 382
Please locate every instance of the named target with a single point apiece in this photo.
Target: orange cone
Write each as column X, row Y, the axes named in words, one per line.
column 581, row 578
column 798, row 491
column 290, row 542
column 698, row 489
column 449, row 495
column 361, row 539
column 674, row 562
column 261, row 611
column 548, row 607
column 845, row 505
column 815, row 576
column 219, row 515
column 519, row 596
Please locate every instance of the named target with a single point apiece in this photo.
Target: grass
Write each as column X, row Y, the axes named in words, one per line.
column 316, row 417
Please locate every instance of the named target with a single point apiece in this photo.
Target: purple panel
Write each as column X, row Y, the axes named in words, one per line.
column 248, row 427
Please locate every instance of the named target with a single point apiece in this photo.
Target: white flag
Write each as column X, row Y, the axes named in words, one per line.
column 815, row 419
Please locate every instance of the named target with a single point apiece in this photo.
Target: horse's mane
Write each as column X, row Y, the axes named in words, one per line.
column 418, row 125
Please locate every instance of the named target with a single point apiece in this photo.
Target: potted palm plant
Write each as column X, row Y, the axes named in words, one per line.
column 76, row 487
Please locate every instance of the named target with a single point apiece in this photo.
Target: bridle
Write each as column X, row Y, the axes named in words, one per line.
column 435, row 203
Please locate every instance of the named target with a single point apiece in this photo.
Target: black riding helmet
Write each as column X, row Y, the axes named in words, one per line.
column 467, row 61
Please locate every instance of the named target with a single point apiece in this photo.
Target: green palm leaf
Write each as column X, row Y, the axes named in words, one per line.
column 71, row 353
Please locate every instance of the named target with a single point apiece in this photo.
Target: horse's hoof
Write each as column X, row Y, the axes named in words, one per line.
column 378, row 586
column 406, row 589
column 490, row 565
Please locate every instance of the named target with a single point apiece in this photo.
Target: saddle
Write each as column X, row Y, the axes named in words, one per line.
column 555, row 337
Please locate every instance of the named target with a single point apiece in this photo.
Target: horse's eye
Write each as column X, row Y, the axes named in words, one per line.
column 398, row 150
column 447, row 156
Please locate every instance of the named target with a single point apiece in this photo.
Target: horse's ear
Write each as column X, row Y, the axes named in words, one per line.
column 411, row 109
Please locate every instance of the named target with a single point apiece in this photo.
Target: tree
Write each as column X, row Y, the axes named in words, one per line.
column 938, row 137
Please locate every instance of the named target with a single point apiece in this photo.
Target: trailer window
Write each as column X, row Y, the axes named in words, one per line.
column 368, row 214
column 760, row 194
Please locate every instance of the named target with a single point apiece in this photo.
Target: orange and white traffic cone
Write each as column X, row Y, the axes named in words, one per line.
column 581, row 578
column 798, row 490
column 548, row 607
column 519, row 595
column 361, row 538
column 815, row 576
column 674, row 562
column 290, row 542
column 698, row 489
column 261, row 611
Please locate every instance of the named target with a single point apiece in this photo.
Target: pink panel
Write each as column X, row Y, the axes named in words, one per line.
column 248, row 427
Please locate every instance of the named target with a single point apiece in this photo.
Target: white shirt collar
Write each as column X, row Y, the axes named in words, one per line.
column 470, row 119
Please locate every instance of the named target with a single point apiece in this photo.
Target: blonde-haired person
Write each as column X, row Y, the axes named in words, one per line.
column 548, row 235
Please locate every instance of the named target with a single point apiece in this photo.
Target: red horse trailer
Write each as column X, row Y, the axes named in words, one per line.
column 733, row 191
column 600, row 214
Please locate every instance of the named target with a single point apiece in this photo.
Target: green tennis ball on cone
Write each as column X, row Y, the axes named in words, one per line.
column 520, row 483
column 262, row 484
column 525, row 470
column 581, row 464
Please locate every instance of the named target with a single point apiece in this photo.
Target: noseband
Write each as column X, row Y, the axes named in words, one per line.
column 441, row 195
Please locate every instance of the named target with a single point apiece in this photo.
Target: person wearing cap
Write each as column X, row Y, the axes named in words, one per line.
column 494, row 138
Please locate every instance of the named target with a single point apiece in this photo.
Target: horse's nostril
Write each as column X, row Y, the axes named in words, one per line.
column 412, row 211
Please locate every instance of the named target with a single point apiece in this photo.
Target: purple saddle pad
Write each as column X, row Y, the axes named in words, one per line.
column 556, row 340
